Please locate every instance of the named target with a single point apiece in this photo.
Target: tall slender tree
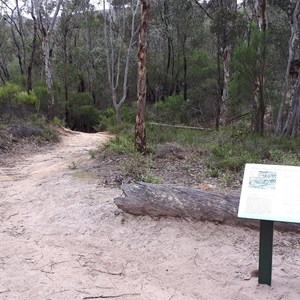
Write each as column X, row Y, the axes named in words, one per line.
column 259, row 102
column 46, row 23
column 140, row 130
column 292, row 9
column 118, row 48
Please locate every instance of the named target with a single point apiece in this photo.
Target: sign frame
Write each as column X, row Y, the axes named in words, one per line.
column 268, row 195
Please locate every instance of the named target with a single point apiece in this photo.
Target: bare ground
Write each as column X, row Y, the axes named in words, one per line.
column 63, row 238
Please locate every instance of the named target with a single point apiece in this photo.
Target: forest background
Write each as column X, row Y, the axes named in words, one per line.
column 213, row 64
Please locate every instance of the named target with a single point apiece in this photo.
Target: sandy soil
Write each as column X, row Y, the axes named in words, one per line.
column 63, row 238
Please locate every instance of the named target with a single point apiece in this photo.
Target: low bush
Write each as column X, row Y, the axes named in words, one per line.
column 172, row 110
column 15, row 103
column 83, row 115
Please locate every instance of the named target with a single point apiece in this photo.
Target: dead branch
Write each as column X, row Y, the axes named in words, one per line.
column 110, row 297
column 179, row 126
column 110, row 273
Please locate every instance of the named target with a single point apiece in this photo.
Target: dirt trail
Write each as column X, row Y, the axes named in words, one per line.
column 61, row 237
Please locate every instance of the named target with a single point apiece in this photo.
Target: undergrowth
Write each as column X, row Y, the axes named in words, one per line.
column 222, row 155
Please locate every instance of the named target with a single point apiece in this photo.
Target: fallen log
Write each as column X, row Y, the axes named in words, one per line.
column 178, row 201
column 180, row 126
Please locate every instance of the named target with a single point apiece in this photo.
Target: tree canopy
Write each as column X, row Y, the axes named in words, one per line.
column 223, row 61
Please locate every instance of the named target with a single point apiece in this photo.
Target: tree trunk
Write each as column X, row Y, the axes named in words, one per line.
column 220, row 90
column 48, row 75
column 46, row 32
column 293, row 43
column 33, row 48
column 118, row 113
column 4, row 68
column 178, row 201
column 67, row 115
column 185, row 85
column 140, row 130
column 291, row 125
column 259, row 103
column 226, row 55
column 19, row 51
column 114, row 53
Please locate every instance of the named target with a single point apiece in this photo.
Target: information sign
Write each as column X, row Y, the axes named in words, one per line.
column 270, row 192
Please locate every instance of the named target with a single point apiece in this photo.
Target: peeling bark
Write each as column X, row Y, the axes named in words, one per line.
column 259, row 102
column 140, row 130
column 226, row 57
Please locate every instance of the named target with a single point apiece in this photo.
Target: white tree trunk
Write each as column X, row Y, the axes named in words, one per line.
column 258, row 101
column 293, row 44
column 48, row 75
column 225, row 110
column 46, row 32
column 114, row 53
column 226, row 55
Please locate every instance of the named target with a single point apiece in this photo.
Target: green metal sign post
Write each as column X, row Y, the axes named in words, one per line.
column 265, row 252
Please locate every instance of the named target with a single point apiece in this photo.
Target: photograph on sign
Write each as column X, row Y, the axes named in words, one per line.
column 270, row 192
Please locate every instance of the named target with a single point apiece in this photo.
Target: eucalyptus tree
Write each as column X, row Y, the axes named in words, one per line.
column 5, row 51
column 46, row 13
column 23, row 35
column 120, row 32
column 260, row 16
column 140, row 130
column 291, row 113
column 13, row 16
column 227, row 24
column 174, row 31
column 224, row 26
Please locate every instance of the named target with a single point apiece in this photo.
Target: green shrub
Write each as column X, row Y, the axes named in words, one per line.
column 122, row 144
column 57, row 122
column 84, row 118
column 8, row 93
column 42, row 98
column 128, row 113
column 80, row 99
column 14, row 102
column 107, row 120
column 49, row 134
column 150, row 178
column 25, row 98
column 172, row 110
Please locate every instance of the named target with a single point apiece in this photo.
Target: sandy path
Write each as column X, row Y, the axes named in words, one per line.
column 61, row 237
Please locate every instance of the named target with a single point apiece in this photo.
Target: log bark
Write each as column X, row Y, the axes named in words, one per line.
column 178, row 201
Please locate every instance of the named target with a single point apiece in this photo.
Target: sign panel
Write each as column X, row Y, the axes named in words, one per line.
column 270, row 192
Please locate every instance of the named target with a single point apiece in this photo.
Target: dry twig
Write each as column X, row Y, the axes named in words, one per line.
column 110, row 297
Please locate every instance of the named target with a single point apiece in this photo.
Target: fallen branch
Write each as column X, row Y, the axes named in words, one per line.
column 179, row 126
column 178, row 201
column 12, row 216
column 110, row 297
column 110, row 273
